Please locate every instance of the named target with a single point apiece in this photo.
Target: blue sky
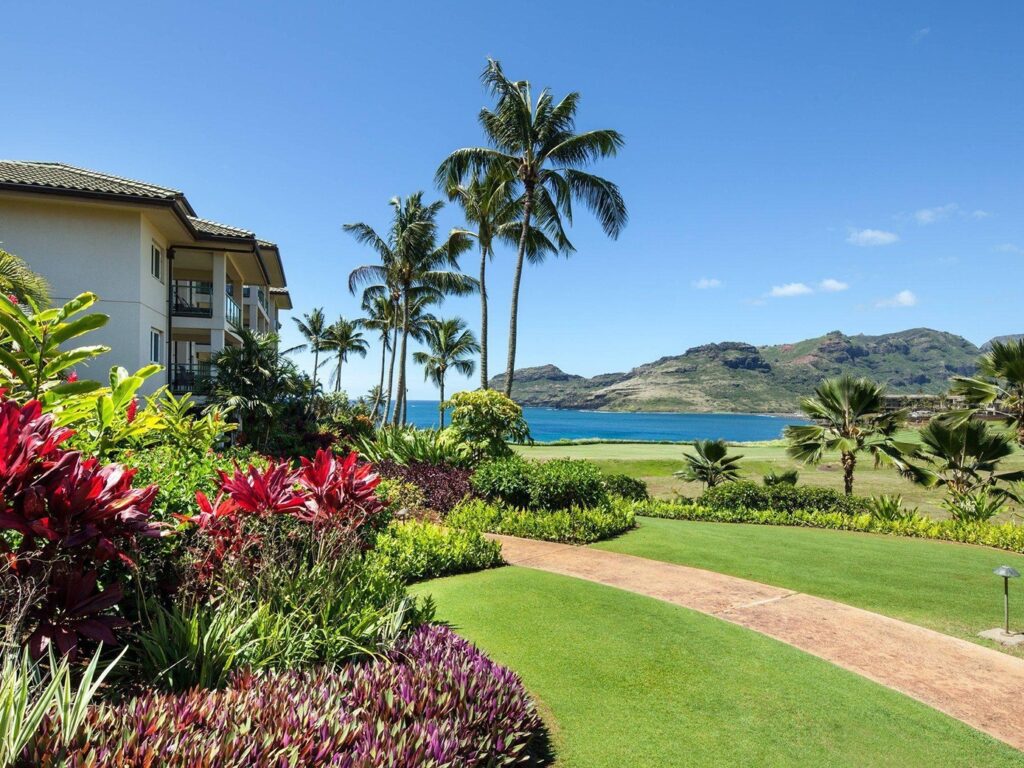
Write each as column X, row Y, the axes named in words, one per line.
column 790, row 168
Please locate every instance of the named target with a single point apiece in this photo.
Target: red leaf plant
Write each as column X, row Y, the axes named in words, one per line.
column 339, row 492
column 69, row 515
column 267, row 492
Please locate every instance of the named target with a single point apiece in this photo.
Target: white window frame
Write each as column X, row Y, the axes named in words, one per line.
column 156, row 345
column 156, row 261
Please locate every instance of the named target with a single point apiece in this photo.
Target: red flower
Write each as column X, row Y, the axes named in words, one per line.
column 133, row 408
column 13, row 298
column 73, row 377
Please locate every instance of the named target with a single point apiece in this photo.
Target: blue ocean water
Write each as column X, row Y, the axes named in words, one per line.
column 547, row 424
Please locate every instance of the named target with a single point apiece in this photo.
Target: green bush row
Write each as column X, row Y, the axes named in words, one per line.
column 744, row 494
column 1008, row 536
column 576, row 525
column 418, row 550
column 548, row 485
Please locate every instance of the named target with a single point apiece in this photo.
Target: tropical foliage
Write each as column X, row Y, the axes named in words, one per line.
column 999, row 385
column 19, row 283
column 451, row 347
column 710, row 464
column 487, row 422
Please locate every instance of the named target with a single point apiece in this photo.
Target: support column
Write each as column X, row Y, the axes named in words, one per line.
column 219, row 297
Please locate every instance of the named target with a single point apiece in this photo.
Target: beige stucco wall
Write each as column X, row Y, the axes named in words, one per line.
column 104, row 249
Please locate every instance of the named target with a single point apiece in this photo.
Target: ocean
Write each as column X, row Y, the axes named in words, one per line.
column 548, row 424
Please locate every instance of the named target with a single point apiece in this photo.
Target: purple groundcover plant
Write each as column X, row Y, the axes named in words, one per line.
column 435, row 701
column 443, row 486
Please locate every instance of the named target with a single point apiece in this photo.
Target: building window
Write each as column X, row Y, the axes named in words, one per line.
column 156, row 262
column 156, row 345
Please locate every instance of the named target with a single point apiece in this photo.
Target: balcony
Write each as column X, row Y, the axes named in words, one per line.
column 192, row 298
column 261, row 296
column 195, row 378
column 232, row 312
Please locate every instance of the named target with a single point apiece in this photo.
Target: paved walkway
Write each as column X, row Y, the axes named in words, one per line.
column 977, row 685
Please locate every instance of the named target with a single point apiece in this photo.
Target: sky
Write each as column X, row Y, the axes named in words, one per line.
column 790, row 168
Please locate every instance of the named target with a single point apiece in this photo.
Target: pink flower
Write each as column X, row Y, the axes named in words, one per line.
column 13, row 298
column 73, row 377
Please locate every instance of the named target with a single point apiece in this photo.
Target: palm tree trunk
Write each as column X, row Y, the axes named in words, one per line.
column 483, row 323
column 511, row 366
column 400, row 403
column 391, row 377
column 380, row 387
column 337, row 379
column 440, row 405
column 849, row 462
column 316, row 362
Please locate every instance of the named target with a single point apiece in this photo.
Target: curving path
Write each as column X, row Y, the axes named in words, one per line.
column 972, row 683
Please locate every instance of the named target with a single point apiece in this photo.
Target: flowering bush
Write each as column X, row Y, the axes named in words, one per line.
column 443, row 486
column 434, row 702
column 67, row 516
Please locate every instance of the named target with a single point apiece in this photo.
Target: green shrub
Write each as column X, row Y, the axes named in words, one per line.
column 781, row 477
column 408, row 445
column 506, row 480
column 891, row 508
column 1008, row 536
column 487, row 421
column 782, row 498
column 575, row 525
column 627, row 487
column 400, row 497
column 563, row 483
column 417, row 550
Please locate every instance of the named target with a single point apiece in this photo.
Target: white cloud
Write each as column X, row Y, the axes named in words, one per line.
column 939, row 212
column 904, row 298
column 920, row 35
column 870, row 237
column 831, row 285
column 790, row 289
column 979, row 214
column 1009, row 248
column 707, row 282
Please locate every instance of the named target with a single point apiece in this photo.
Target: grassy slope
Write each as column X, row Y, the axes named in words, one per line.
column 634, row 681
column 655, row 464
column 947, row 587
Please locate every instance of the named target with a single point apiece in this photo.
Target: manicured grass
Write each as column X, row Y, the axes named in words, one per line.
column 947, row 587
column 632, row 681
column 655, row 464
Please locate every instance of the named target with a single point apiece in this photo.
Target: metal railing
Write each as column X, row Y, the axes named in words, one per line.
column 192, row 298
column 196, row 378
column 232, row 312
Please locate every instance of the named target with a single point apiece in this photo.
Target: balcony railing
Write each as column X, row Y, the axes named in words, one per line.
column 261, row 296
column 192, row 298
column 232, row 312
column 197, row 378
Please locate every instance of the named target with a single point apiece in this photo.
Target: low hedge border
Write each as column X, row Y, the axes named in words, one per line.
column 569, row 526
column 1007, row 536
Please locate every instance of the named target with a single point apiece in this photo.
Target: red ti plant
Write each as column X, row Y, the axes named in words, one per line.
column 267, row 492
column 68, row 517
column 339, row 492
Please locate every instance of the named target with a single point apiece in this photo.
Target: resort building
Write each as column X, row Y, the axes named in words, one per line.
column 177, row 287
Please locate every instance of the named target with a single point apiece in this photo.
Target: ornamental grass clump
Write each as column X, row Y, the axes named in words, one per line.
column 434, row 702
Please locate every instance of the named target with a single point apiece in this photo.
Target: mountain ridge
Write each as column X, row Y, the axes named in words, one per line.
column 734, row 376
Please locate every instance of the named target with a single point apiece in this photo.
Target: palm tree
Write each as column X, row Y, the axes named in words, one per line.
column 850, row 418
column 313, row 328
column 381, row 317
column 451, row 347
column 18, row 280
column 495, row 213
column 712, row 465
column 963, row 456
column 344, row 338
column 1000, row 384
column 536, row 143
column 413, row 266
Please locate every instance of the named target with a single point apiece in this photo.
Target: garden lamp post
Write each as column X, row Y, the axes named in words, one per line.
column 1007, row 573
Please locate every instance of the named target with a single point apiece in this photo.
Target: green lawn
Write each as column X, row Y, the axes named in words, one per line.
column 947, row 587
column 655, row 464
column 625, row 680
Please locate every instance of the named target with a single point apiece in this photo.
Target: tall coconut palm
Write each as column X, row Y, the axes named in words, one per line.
column 313, row 328
column 493, row 213
column 343, row 338
column 413, row 266
column 537, row 143
column 452, row 347
column 711, row 464
column 998, row 385
column 850, row 417
column 381, row 317
column 18, row 280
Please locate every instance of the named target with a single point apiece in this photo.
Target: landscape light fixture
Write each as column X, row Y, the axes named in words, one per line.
column 1007, row 573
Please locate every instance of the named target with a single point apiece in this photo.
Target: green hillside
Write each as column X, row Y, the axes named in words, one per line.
column 739, row 377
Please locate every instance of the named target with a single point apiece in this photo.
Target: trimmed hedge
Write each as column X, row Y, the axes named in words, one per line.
column 418, row 550
column 572, row 526
column 627, row 487
column 744, row 494
column 548, row 485
column 1008, row 536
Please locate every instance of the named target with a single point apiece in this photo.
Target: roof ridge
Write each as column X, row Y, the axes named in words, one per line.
column 102, row 175
column 221, row 224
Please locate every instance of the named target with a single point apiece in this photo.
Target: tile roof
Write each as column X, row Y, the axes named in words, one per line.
column 208, row 227
column 69, row 177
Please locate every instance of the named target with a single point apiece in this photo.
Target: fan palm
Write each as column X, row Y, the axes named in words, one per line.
column 451, row 346
column 850, row 418
column 963, row 457
column 712, row 464
column 536, row 143
column 343, row 338
column 999, row 384
column 413, row 267
column 494, row 213
column 313, row 328
column 18, row 280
